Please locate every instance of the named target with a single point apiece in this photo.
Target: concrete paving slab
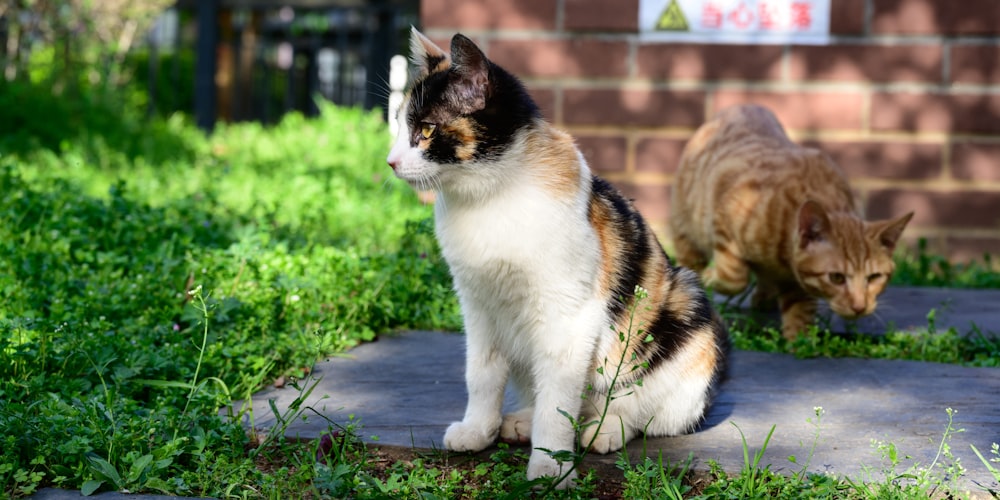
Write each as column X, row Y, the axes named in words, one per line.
column 405, row 389
column 906, row 309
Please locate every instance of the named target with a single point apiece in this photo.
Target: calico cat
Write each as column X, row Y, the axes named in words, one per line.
column 750, row 199
column 546, row 260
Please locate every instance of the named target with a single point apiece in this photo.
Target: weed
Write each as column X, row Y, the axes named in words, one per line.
column 803, row 473
column 995, row 451
column 651, row 478
column 917, row 480
column 975, row 349
column 922, row 268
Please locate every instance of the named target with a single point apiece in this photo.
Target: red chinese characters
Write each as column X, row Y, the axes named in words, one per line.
column 801, row 15
column 711, row 15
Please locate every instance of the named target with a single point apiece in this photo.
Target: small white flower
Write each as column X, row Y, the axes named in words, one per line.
column 294, row 298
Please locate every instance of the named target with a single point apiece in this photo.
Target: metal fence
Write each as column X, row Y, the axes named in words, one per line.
column 256, row 60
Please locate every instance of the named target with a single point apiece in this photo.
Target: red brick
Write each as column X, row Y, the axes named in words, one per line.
column 659, row 154
column 445, row 42
column 626, row 107
column 709, row 62
column 575, row 58
column 884, row 160
column 603, row 153
column 950, row 209
column 652, row 201
column 495, row 14
column 930, row 17
column 867, row 63
column 976, row 162
column 601, row 15
column 847, row 17
column 975, row 64
column 546, row 100
column 936, row 112
column 801, row 110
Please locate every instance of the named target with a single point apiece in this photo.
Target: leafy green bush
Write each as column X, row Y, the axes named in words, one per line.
column 80, row 126
column 922, row 268
column 172, row 80
column 300, row 244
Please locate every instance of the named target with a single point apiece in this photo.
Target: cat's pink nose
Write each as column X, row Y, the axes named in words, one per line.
column 393, row 159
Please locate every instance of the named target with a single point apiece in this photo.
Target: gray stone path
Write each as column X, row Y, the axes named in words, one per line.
column 404, row 390
column 906, row 308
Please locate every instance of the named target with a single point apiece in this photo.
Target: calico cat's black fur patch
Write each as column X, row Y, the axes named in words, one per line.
column 438, row 97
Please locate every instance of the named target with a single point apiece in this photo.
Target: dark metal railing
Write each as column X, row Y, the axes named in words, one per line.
column 257, row 60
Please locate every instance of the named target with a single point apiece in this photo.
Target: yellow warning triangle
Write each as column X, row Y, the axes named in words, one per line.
column 672, row 18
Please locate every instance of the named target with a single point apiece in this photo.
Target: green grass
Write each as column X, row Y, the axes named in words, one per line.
column 150, row 275
column 918, row 267
column 301, row 247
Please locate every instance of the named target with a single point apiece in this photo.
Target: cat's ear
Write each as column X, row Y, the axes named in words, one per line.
column 470, row 75
column 425, row 56
column 814, row 224
column 889, row 231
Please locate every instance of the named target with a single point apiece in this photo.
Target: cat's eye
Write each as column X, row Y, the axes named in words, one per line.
column 838, row 278
column 874, row 277
column 427, row 130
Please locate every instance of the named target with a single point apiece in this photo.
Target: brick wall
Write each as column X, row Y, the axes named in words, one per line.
column 906, row 98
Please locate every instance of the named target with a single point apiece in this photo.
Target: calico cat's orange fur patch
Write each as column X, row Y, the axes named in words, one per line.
column 750, row 200
column 555, row 154
column 611, row 244
column 463, row 130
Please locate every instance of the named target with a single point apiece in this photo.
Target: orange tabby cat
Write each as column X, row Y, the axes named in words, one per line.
column 750, row 199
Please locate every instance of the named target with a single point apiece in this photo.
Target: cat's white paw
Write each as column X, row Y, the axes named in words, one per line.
column 542, row 465
column 465, row 436
column 607, row 440
column 516, row 427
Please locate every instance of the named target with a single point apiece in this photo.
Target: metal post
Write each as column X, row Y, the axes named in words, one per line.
column 379, row 54
column 205, row 64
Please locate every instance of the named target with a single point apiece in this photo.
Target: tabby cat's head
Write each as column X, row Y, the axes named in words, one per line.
column 460, row 116
column 844, row 259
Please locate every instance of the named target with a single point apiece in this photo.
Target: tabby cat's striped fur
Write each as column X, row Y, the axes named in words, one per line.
column 753, row 201
column 546, row 258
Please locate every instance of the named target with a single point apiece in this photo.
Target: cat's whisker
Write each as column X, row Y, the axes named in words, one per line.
column 381, row 88
column 440, row 200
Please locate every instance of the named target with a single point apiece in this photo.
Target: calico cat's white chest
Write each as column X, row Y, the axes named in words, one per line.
column 522, row 224
column 518, row 242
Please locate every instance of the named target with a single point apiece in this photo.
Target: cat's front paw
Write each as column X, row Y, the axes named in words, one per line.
column 466, row 436
column 542, row 465
column 712, row 278
column 516, row 427
column 602, row 440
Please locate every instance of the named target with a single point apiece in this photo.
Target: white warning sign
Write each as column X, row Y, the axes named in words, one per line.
column 735, row 21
